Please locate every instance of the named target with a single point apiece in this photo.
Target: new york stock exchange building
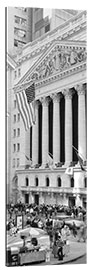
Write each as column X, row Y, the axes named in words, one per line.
column 56, row 64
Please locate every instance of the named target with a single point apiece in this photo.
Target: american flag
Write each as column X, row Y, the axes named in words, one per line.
column 25, row 100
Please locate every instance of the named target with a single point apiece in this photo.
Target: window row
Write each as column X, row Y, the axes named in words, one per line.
column 16, row 118
column 18, row 132
column 14, row 147
column 16, row 162
column 17, row 73
column 20, row 21
column 18, row 43
column 59, row 182
column 22, row 9
column 19, row 32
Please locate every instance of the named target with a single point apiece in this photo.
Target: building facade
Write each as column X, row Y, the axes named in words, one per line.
column 19, row 28
column 27, row 24
column 56, row 64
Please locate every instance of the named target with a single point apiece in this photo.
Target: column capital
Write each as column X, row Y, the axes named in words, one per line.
column 45, row 101
column 56, row 97
column 80, row 89
column 68, row 93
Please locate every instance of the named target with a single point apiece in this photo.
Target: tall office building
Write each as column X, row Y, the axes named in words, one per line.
column 19, row 28
column 27, row 24
column 45, row 20
column 56, row 63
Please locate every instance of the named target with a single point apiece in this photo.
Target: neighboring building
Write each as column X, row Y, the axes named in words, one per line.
column 19, row 28
column 56, row 62
column 45, row 20
column 11, row 65
column 27, row 24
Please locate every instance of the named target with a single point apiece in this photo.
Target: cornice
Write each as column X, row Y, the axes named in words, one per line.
column 58, row 76
column 47, row 171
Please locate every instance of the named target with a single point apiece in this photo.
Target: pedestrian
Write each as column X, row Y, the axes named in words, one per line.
column 60, row 244
column 74, row 228
column 82, row 233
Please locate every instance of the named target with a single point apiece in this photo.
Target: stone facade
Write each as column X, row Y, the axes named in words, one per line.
column 57, row 66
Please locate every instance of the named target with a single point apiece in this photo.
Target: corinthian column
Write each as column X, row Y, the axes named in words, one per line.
column 35, row 136
column 45, row 130
column 68, row 126
column 81, row 121
column 56, row 127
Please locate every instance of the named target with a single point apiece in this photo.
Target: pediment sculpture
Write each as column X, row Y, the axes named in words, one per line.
column 58, row 60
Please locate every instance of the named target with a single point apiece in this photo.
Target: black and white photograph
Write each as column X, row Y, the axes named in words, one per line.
column 46, row 135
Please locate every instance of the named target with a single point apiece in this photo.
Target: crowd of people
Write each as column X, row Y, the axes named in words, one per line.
column 73, row 211
column 47, row 217
column 43, row 216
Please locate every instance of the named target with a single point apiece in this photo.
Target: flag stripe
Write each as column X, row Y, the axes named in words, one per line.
column 31, row 109
column 80, row 159
column 21, row 112
column 25, row 101
column 23, row 109
column 27, row 108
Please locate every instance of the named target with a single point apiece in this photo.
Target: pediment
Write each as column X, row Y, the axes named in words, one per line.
column 59, row 57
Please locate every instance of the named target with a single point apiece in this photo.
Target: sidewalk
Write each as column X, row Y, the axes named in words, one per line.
column 77, row 250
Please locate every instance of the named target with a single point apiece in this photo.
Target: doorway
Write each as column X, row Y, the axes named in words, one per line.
column 71, row 201
column 36, row 199
column 27, row 198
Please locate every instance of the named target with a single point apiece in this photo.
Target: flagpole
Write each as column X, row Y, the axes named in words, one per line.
column 75, row 148
column 50, row 154
column 78, row 152
column 26, row 156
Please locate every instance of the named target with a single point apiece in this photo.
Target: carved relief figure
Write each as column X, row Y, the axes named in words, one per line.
column 73, row 57
column 57, row 60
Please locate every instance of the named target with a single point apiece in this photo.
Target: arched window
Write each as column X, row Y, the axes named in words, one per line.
column 47, row 182
column 72, row 182
column 27, row 181
column 36, row 181
column 85, row 182
column 59, row 182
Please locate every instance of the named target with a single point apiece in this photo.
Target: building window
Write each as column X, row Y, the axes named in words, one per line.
column 19, row 72
column 18, row 132
column 18, row 147
column 14, row 118
column 72, row 182
column 18, row 117
column 20, row 33
column 59, row 182
column 18, row 162
column 17, row 19
column 36, row 181
column 47, row 182
column 15, row 74
column 47, row 28
column 23, row 22
column 14, row 104
column 19, row 43
column 13, row 162
column 14, row 147
column 27, row 181
column 85, row 182
column 14, row 133
column 15, row 43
